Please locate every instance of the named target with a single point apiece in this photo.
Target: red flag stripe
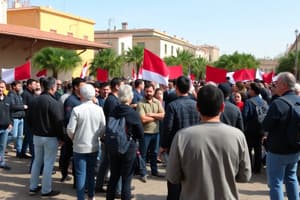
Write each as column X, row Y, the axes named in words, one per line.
column 175, row 71
column 22, row 72
column 102, row 75
column 216, row 75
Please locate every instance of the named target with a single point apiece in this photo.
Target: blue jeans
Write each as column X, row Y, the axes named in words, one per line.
column 85, row 173
column 17, row 134
column 282, row 169
column 27, row 141
column 150, row 144
column 3, row 143
column 45, row 154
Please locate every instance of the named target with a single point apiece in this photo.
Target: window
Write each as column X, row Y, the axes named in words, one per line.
column 141, row 44
column 122, row 47
column 166, row 49
column 172, row 50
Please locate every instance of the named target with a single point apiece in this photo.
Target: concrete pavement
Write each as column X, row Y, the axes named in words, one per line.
column 14, row 185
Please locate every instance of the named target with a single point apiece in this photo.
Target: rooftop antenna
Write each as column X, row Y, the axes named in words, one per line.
column 110, row 21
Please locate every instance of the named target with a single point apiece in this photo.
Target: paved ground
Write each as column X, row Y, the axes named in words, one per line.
column 14, row 185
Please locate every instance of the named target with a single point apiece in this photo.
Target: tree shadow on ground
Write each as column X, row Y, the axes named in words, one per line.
column 149, row 197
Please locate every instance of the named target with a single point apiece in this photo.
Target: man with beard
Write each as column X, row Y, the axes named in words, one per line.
column 151, row 111
column 18, row 114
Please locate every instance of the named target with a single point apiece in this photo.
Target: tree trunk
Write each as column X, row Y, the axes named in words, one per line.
column 55, row 73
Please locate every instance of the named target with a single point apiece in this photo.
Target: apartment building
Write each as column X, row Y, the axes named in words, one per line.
column 160, row 43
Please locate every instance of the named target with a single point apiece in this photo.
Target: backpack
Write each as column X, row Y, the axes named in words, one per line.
column 261, row 110
column 115, row 134
column 293, row 126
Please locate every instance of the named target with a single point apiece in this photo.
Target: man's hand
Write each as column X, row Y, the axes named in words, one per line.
column 60, row 143
column 9, row 128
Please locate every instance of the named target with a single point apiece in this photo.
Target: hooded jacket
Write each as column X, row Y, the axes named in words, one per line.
column 133, row 122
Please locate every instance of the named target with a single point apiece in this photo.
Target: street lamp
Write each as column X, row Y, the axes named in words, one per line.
column 296, row 55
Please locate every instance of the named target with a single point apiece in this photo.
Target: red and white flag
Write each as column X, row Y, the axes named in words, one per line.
column 268, row 77
column 41, row 73
column 84, row 71
column 154, row 68
column 16, row 74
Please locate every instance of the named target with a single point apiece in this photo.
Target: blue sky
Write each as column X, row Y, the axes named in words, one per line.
column 262, row 28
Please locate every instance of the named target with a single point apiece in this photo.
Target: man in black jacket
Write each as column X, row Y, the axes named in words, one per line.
column 46, row 121
column 5, row 123
column 282, row 158
column 18, row 113
column 28, row 96
column 110, row 104
column 66, row 151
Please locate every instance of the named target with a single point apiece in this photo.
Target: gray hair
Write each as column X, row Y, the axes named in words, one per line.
column 125, row 93
column 288, row 78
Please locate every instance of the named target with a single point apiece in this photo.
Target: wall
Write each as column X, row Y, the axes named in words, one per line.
column 50, row 20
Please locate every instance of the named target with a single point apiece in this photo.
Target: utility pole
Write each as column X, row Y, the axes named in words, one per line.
column 296, row 55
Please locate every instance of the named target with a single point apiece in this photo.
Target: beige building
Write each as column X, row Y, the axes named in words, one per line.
column 210, row 53
column 268, row 65
column 160, row 43
column 60, row 23
column 293, row 46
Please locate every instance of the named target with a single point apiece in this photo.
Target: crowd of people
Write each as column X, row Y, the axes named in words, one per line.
column 209, row 135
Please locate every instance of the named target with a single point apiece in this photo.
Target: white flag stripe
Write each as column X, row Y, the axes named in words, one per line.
column 8, row 75
column 152, row 76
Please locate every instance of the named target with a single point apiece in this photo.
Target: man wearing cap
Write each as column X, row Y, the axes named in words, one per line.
column 86, row 123
column 231, row 115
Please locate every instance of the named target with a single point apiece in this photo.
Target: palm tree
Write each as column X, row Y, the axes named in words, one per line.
column 236, row 61
column 172, row 61
column 186, row 60
column 109, row 60
column 56, row 59
column 287, row 63
column 198, row 67
column 135, row 56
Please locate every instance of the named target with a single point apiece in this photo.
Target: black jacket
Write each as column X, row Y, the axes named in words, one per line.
column 46, row 117
column 180, row 113
column 276, row 122
column 17, row 106
column 110, row 104
column 72, row 101
column 28, row 97
column 232, row 116
column 5, row 115
column 133, row 121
